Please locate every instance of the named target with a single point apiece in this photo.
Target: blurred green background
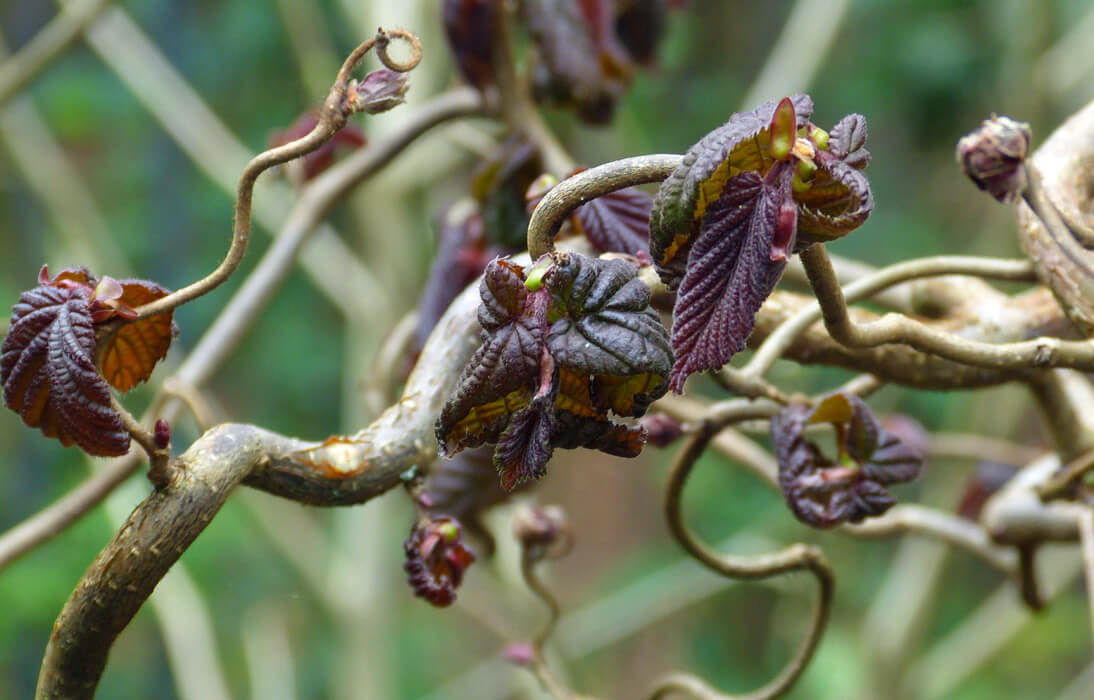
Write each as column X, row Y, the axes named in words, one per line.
column 105, row 161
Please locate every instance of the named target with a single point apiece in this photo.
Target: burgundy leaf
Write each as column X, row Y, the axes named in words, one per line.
column 471, row 26
column 48, row 371
column 572, row 69
column 730, row 273
column 822, row 493
column 847, row 141
column 502, row 374
column 739, row 145
column 617, row 222
column 436, row 559
column 525, row 445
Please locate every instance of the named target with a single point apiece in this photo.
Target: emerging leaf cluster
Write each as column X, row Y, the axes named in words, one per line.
column 823, row 493
column 61, row 356
column 564, row 345
column 764, row 185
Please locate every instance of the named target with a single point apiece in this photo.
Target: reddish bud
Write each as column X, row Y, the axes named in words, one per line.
column 542, row 530
column 162, row 434
column 519, row 653
column 661, row 429
column 380, row 91
column 993, row 156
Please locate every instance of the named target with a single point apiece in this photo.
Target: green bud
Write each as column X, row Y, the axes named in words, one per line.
column 820, row 138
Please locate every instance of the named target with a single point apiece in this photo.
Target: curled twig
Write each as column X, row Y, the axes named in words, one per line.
column 574, row 191
column 793, row 558
column 332, row 117
column 1042, row 352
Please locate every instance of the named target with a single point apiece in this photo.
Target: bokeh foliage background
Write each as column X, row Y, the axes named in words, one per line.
column 280, row 601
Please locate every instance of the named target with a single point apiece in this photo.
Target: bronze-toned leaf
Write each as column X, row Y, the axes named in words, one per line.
column 130, row 355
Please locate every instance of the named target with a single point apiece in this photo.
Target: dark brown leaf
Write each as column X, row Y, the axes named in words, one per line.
column 470, row 26
column 48, row 371
column 618, row 222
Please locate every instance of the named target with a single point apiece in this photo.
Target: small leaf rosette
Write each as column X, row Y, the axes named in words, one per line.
column 823, row 493
column 436, row 559
column 564, row 345
column 48, row 359
column 764, row 185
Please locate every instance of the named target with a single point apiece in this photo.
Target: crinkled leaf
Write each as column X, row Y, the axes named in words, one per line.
column 739, row 145
column 524, row 447
column 823, row 494
column 847, row 141
column 729, row 275
column 502, row 374
column 894, row 461
column 48, row 371
column 572, row 431
column 617, row 222
column 838, row 202
column 130, row 355
column 605, row 327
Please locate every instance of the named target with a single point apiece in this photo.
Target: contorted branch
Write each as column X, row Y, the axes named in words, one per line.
column 574, row 191
column 337, row 108
column 793, row 558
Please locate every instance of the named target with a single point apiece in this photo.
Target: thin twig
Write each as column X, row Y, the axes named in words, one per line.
column 47, row 44
column 157, row 456
column 332, row 117
column 894, row 328
column 793, row 558
column 777, row 342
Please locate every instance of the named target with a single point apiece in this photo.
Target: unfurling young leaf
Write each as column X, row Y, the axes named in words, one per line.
column 824, row 493
column 436, row 559
column 558, row 356
column 761, row 187
column 47, row 360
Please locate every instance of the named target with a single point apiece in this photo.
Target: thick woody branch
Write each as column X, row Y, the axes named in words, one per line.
column 1041, row 353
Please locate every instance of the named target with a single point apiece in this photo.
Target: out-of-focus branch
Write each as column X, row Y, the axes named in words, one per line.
column 793, row 558
column 20, row 68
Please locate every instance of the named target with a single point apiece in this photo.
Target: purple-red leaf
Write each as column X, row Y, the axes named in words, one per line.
column 436, row 559
column 730, row 273
column 823, row 493
column 470, row 26
column 48, row 371
column 561, row 349
column 618, row 222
